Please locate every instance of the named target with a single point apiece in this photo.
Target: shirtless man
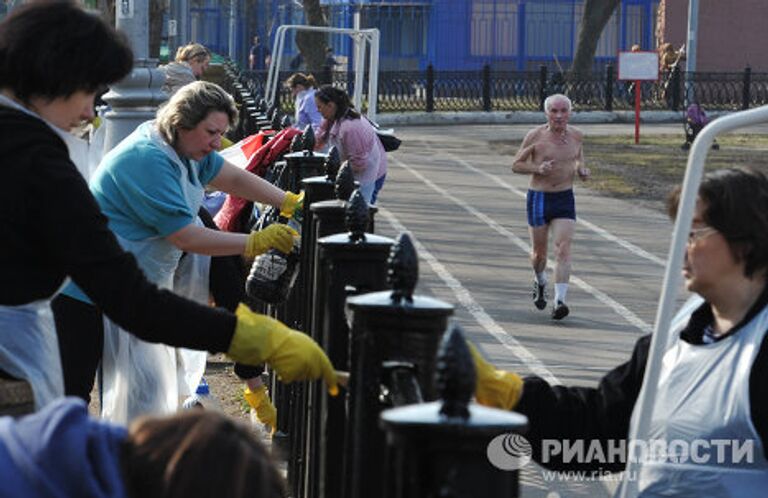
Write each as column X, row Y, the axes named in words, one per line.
column 553, row 155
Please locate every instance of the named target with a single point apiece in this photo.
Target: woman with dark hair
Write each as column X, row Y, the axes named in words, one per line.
column 54, row 57
column 354, row 137
column 200, row 453
column 709, row 423
column 303, row 87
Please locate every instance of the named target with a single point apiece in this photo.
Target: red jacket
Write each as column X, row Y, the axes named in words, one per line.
column 235, row 212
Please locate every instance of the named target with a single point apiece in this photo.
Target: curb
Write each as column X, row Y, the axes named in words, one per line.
column 528, row 117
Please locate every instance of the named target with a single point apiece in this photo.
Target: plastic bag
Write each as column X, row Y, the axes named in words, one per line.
column 191, row 280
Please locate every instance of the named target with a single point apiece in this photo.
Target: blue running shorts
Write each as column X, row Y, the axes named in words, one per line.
column 544, row 207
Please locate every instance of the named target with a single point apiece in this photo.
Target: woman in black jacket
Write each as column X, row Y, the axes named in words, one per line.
column 54, row 58
column 708, row 427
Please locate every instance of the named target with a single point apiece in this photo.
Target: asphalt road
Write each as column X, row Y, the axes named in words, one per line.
column 465, row 210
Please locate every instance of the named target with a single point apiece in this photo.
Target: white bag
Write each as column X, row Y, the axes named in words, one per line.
column 191, row 281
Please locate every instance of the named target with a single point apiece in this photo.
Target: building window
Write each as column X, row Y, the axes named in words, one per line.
column 549, row 29
column 403, row 28
column 493, row 28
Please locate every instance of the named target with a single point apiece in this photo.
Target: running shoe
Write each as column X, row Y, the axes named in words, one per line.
column 560, row 311
column 539, row 295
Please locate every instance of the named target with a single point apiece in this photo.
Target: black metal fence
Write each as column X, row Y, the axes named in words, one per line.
column 487, row 90
column 411, row 375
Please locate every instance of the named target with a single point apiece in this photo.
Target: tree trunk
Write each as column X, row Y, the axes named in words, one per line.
column 596, row 16
column 312, row 44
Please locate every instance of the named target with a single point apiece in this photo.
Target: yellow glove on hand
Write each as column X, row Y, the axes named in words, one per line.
column 276, row 235
column 260, row 402
column 293, row 355
column 495, row 388
column 292, row 204
column 226, row 143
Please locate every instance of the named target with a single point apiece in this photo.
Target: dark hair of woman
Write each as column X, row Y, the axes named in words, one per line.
column 344, row 108
column 735, row 203
column 197, row 453
column 305, row 80
column 89, row 57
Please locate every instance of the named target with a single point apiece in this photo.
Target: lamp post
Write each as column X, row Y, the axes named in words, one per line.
column 690, row 46
column 233, row 8
column 183, row 37
column 134, row 99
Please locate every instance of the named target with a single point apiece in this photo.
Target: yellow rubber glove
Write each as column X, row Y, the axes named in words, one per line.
column 226, row 143
column 292, row 204
column 495, row 388
column 293, row 355
column 260, row 402
column 276, row 235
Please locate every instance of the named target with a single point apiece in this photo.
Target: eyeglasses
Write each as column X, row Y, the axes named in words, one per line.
column 697, row 234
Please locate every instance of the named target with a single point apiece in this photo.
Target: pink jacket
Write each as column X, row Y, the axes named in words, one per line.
column 358, row 143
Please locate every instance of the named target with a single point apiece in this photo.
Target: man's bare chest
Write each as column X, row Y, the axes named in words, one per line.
column 549, row 150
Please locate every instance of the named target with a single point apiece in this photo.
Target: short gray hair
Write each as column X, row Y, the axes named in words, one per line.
column 192, row 104
column 556, row 96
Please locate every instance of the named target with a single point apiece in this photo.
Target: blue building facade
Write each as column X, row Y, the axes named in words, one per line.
column 523, row 34
column 449, row 34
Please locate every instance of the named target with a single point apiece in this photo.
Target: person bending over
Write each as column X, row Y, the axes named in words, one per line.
column 53, row 227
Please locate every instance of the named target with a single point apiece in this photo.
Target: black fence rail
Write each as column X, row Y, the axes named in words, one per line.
column 487, row 90
column 405, row 90
column 257, row 82
column 410, row 372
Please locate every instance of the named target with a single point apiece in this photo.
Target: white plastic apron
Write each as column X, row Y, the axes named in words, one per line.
column 191, row 280
column 141, row 377
column 703, row 397
column 29, row 348
column 86, row 154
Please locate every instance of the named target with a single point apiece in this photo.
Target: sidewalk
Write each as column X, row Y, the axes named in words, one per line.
column 389, row 119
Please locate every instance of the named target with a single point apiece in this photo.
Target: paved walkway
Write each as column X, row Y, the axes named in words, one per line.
column 530, row 117
column 466, row 213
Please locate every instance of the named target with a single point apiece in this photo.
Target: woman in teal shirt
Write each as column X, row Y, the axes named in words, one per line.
column 150, row 187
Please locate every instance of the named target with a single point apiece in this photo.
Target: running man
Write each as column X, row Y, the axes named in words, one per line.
column 553, row 155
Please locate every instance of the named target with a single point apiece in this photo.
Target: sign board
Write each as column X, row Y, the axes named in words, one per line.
column 171, row 27
column 124, row 9
column 638, row 66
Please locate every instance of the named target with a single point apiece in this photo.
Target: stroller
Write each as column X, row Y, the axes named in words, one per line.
column 695, row 120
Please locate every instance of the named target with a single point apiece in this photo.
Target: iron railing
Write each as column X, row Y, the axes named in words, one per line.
column 487, row 90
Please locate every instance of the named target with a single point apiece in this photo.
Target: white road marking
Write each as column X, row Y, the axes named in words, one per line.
column 464, row 297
